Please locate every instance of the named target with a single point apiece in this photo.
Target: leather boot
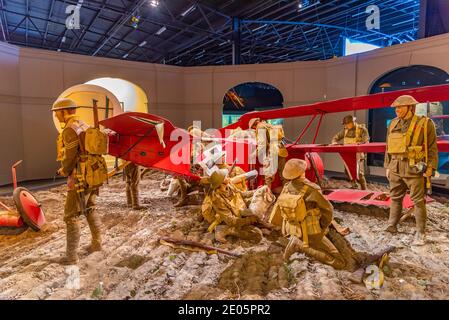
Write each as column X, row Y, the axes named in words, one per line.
column 362, row 182
column 129, row 200
column 420, row 213
column 93, row 220
column 250, row 233
column 221, row 232
column 354, row 184
column 294, row 245
column 323, row 257
column 135, row 199
column 395, row 215
column 420, row 239
column 183, row 193
column 73, row 239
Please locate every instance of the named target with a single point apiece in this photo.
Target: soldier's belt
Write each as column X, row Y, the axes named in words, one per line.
column 398, row 157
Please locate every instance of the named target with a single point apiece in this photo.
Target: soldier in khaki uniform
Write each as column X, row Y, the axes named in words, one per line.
column 305, row 216
column 354, row 133
column 70, row 148
column 226, row 212
column 132, row 173
column 410, row 159
column 269, row 139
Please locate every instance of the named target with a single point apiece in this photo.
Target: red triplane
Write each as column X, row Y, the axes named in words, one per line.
column 145, row 139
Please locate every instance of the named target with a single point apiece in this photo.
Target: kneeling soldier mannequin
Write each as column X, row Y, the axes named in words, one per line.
column 351, row 134
column 411, row 158
column 70, row 146
column 224, row 204
column 305, row 216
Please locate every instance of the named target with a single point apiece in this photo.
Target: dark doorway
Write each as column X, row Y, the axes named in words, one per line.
column 250, row 96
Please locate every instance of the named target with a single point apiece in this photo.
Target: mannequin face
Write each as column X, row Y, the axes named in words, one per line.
column 403, row 112
column 60, row 115
column 349, row 125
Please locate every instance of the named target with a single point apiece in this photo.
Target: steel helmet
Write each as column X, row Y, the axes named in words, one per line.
column 348, row 119
column 294, row 168
column 404, row 100
column 62, row 104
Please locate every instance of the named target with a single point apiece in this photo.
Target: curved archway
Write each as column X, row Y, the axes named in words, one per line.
column 250, row 96
column 83, row 94
column 408, row 78
column 131, row 96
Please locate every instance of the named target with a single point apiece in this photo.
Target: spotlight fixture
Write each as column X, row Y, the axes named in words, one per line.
column 154, row 3
column 135, row 21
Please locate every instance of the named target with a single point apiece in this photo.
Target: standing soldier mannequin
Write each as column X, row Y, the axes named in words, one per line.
column 410, row 160
column 70, row 147
column 132, row 173
column 270, row 139
column 305, row 216
column 354, row 133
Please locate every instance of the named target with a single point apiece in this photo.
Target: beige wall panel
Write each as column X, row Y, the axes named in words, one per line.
column 39, row 141
column 198, row 88
column 11, row 139
column 170, row 87
column 9, row 69
column 40, row 77
column 309, row 84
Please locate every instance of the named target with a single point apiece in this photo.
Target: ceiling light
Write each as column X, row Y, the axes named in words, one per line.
column 126, row 56
column 161, row 30
column 117, row 45
column 142, row 43
column 154, row 3
column 188, row 11
column 63, row 39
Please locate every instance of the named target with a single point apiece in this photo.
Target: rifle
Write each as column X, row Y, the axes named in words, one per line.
column 357, row 276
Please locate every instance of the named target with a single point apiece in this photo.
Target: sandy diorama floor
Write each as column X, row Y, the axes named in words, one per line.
column 135, row 265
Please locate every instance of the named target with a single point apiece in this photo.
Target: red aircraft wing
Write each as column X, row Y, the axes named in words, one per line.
column 145, row 139
column 349, row 152
column 373, row 101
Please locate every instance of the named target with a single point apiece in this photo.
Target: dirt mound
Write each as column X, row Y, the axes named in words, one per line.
column 256, row 273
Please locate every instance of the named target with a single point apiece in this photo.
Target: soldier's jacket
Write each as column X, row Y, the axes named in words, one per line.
column 401, row 163
column 358, row 134
column 318, row 213
column 69, row 150
column 224, row 206
column 269, row 140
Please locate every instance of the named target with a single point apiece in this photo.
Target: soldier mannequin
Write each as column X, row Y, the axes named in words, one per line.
column 272, row 144
column 132, row 173
column 407, row 165
column 305, row 216
column 225, row 204
column 69, row 151
column 351, row 134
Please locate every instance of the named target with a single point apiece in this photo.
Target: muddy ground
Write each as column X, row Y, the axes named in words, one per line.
column 134, row 265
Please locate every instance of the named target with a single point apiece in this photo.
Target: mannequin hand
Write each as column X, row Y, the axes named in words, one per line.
column 428, row 172
column 387, row 172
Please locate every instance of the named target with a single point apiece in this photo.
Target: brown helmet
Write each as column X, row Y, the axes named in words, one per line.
column 63, row 104
column 217, row 178
column 348, row 119
column 294, row 168
column 404, row 100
